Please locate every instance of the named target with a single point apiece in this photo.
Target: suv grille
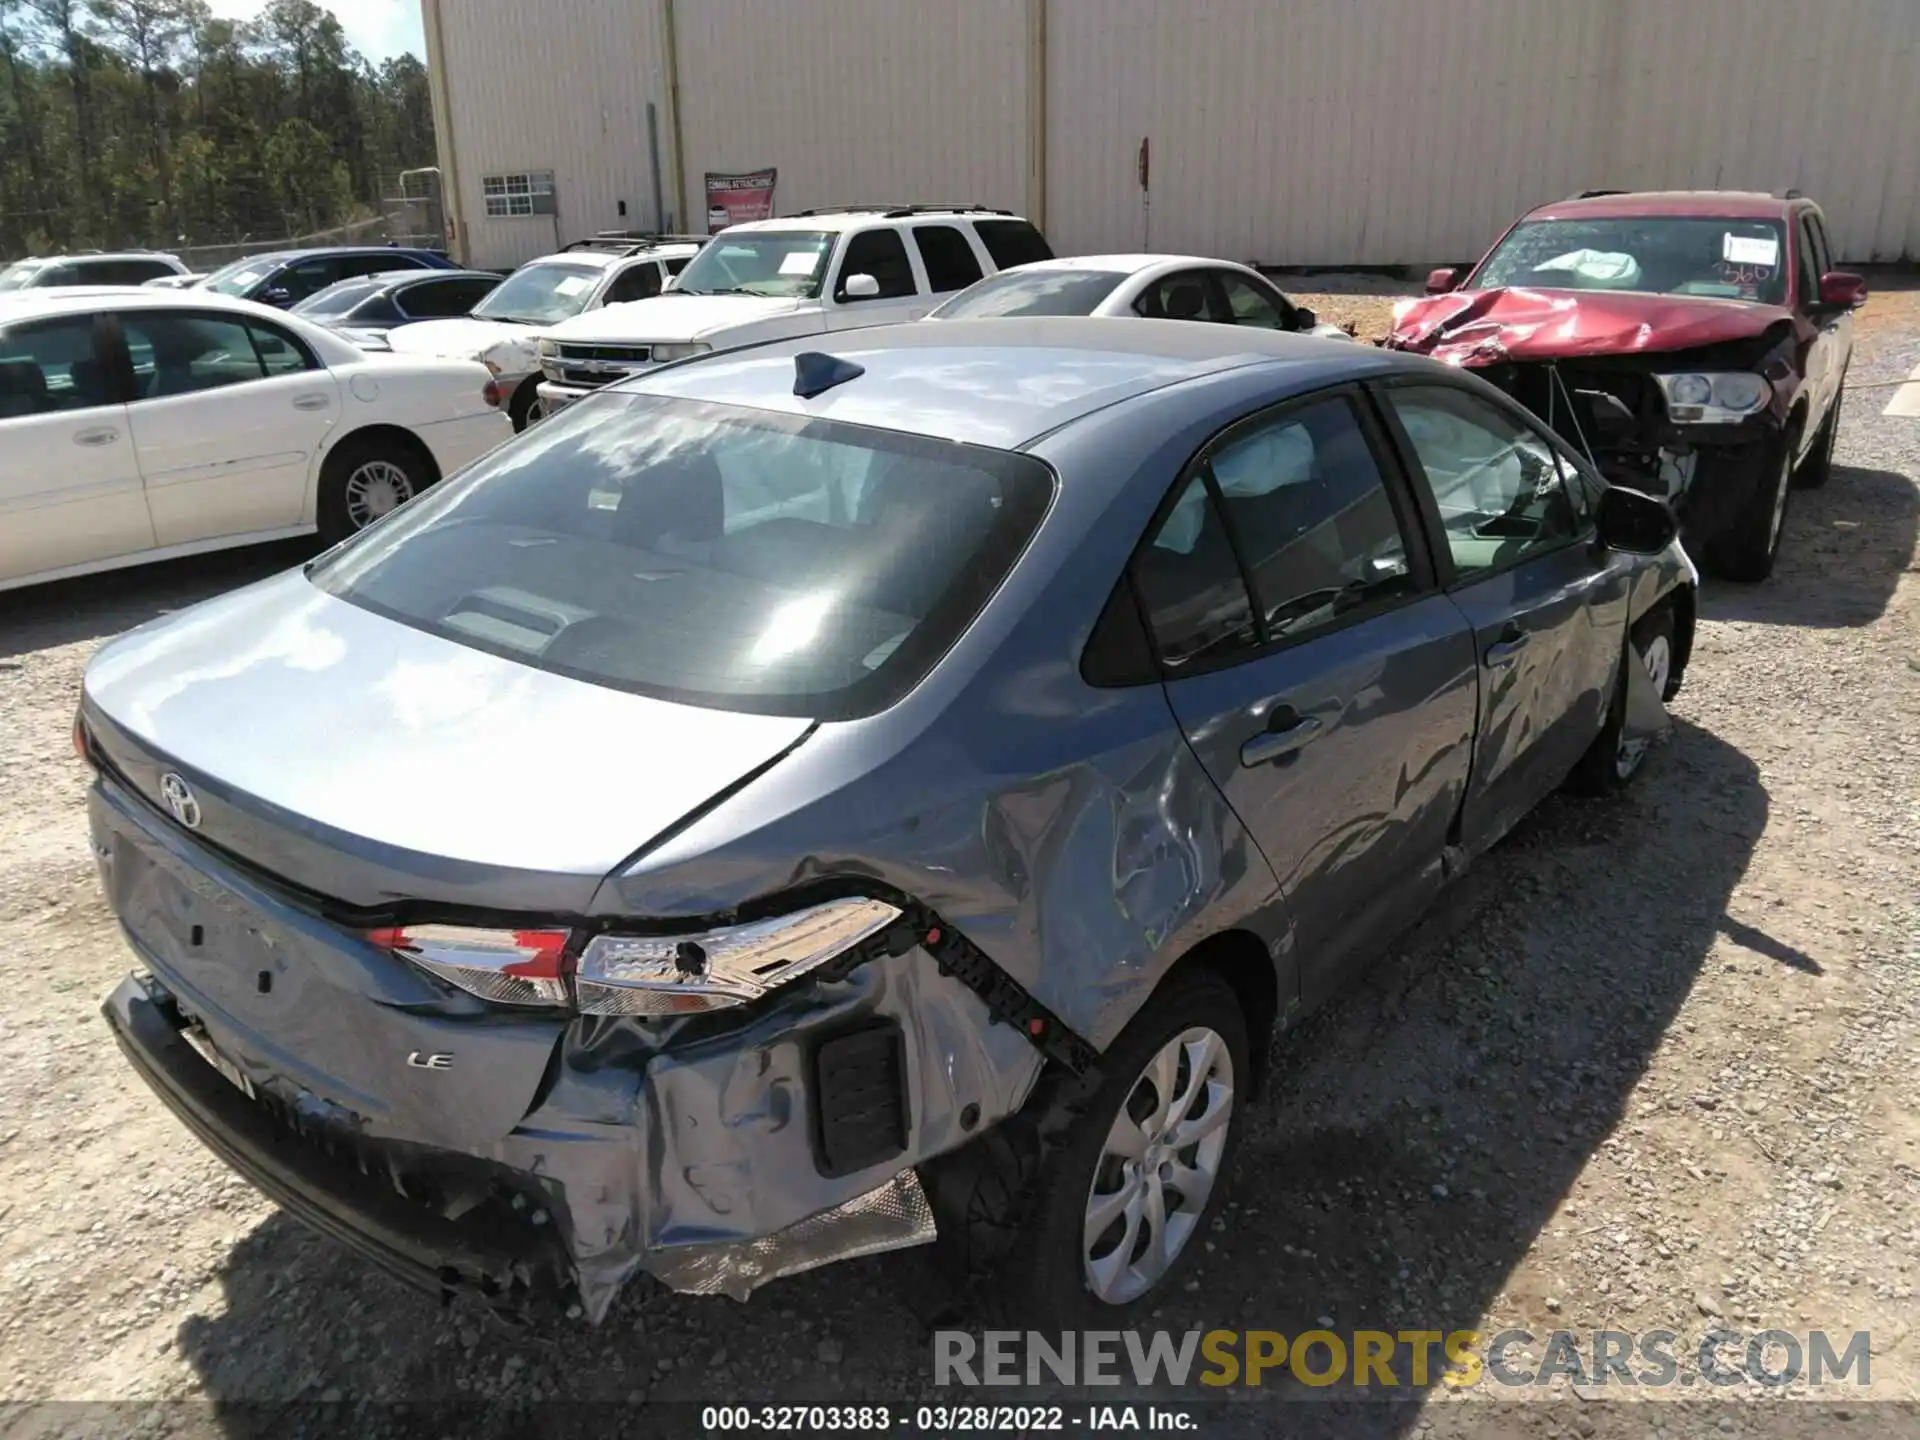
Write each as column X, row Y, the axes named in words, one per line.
column 594, row 365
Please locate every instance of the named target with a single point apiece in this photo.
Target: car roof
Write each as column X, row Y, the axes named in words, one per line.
column 1713, row 204
column 1003, row 382
column 601, row 259
column 88, row 256
column 281, row 257
column 1129, row 264
column 856, row 218
column 32, row 304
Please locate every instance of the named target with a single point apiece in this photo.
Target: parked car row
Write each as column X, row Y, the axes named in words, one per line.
column 1025, row 710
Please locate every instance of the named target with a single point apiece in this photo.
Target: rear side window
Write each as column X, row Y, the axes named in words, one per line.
column 881, row 254
column 50, row 366
column 947, row 258
column 708, row 554
column 1012, row 242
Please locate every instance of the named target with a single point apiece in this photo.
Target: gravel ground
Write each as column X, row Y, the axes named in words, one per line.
column 1651, row 1066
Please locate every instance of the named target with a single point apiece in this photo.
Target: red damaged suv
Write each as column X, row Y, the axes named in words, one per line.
column 1693, row 343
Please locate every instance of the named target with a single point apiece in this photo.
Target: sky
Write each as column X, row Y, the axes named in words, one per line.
column 378, row 29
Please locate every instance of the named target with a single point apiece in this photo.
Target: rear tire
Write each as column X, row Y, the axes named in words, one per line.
column 365, row 480
column 1109, row 1226
column 1612, row 761
column 1746, row 550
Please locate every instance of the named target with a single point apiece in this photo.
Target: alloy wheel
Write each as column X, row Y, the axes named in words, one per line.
column 1158, row 1165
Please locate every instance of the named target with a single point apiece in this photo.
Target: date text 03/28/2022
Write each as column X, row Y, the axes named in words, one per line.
column 942, row 1419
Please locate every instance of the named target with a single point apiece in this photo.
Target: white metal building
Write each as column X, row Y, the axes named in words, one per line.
column 1287, row 132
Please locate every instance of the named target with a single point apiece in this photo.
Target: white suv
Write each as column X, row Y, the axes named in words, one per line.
column 122, row 267
column 587, row 275
column 804, row 274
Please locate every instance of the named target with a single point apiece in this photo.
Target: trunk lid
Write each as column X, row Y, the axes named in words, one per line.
column 1486, row 327
column 370, row 763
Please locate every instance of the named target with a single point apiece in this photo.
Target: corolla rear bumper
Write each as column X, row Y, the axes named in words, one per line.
column 367, row 1194
column 713, row 1160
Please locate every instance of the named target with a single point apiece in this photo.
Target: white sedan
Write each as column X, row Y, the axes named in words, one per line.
column 142, row 424
column 1152, row 287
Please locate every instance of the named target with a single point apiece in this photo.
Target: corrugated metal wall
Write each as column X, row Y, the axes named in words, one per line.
column 1403, row 131
column 563, row 87
column 1311, row 132
column 857, row 100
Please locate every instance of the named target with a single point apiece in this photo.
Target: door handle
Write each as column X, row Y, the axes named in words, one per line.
column 1507, row 648
column 310, row 402
column 1274, row 745
column 99, row 435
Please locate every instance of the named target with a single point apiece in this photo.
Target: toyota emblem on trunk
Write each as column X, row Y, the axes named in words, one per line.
column 180, row 801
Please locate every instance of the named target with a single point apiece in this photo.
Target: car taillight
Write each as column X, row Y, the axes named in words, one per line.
column 490, row 392
column 511, row 967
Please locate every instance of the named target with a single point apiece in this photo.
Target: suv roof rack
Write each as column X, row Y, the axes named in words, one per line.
column 631, row 242
column 1793, row 193
column 897, row 212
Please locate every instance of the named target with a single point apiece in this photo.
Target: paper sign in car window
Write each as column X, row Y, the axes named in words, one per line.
column 799, row 262
column 573, row 284
column 1762, row 250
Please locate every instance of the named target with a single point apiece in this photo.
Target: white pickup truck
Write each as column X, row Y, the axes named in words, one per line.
column 804, row 274
column 502, row 329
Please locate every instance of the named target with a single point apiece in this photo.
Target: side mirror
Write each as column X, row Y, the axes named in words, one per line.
column 859, row 287
column 1843, row 290
column 1440, row 281
column 1634, row 523
column 275, row 295
column 1304, row 319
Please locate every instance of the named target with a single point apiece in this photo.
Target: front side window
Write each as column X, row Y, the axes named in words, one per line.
column 708, row 554
column 636, row 282
column 1183, row 296
column 1033, row 292
column 1497, row 483
column 946, row 257
column 183, row 353
column 50, row 366
column 306, row 277
column 1811, row 266
column 540, row 294
column 1656, row 254
column 881, row 254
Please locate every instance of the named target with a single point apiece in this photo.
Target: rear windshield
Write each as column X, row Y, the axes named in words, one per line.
column 1032, row 292
column 339, row 299
column 708, row 554
column 1654, row 254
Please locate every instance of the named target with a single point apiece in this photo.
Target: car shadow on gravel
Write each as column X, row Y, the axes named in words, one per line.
column 1845, row 548
column 1417, row 1138
column 94, row 607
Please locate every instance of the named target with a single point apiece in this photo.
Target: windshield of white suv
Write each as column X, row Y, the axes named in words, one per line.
column 17, row 275
column 540, row 293
column 788, row 263
column 1032, row 292
column 707, row 554
column 1653, row 254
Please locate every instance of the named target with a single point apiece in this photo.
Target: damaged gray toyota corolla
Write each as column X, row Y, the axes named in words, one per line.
column 791, row 805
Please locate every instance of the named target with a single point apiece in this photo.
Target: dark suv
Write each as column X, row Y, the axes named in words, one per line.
column 1694, row 343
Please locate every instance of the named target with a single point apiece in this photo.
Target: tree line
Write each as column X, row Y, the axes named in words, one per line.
column 153, row 123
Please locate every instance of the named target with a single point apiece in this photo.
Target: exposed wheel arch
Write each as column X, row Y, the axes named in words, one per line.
column 1240, row 958
column 397, row 435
